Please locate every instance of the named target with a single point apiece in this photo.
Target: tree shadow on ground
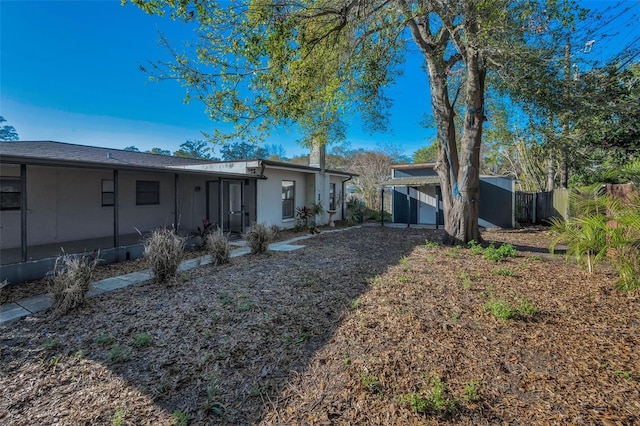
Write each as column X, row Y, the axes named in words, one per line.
column 217, row 348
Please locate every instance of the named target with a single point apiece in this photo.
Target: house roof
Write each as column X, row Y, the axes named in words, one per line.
column 50, row 153
column 413, row 181
column 61, row 151
column 410, row 166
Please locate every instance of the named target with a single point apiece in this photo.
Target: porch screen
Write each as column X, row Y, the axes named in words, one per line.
column 288, row 201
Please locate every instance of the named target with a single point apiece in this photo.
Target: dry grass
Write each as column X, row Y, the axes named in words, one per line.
column 218, row 247
column 163, row 251
column 258, row 237
column 71, row 280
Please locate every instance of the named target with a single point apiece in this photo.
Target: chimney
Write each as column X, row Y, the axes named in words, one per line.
column 317, row 156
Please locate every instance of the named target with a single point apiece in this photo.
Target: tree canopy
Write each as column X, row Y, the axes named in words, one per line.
column 7, row 132
column 266, row 63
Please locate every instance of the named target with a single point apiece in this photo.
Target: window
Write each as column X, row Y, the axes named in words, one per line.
column 147, row 192
column 107, row 192
column 10, row 193
column 288, row 200
column 332, row 196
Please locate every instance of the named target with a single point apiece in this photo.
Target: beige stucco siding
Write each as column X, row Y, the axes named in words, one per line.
column 269, row 209
column 65, row 204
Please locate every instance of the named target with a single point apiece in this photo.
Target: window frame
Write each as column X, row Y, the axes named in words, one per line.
column 108, row 191
column 144, row 192
column 332, row 196
column 288, row 188
column 17, row 185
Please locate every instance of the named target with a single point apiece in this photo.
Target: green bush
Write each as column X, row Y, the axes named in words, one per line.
column 71, row 281
column 163, row 251
column 258, row 238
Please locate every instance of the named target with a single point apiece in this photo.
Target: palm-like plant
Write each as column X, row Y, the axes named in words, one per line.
column 603, row 226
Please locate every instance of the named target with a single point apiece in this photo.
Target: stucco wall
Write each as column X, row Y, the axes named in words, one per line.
column 269, row 209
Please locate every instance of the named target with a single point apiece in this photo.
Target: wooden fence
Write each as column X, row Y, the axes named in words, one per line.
column 539, row 207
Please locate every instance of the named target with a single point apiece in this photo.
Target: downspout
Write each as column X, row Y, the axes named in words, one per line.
column 23, row 211
column 116, row 224
column 344, row 204
column 175, row 195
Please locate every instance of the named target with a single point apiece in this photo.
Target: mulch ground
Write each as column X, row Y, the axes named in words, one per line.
column 358, row 327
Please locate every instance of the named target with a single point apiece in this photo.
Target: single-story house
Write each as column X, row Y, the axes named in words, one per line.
column 417, row 198
column 57, row 196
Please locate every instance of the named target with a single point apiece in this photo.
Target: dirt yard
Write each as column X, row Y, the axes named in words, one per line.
column 364, row 326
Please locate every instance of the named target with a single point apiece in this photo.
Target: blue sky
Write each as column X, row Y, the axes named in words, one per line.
column 69, row 71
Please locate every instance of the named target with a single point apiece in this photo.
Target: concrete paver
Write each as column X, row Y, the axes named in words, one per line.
column 12, row 311
column 37, row 303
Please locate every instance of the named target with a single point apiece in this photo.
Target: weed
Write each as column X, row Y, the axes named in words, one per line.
column 437, row 400
column 501, row 253
column 370, row 383
column 71, row 281
column 244, row 307
column 258, row 237
column 536, row 257
column 404, row 279
column 624, row 374
column 50, row 344
column 118, row 417
column 179, row 418
column 185, row 277
column 118, row 354
column 431, row 244
column 224, row 297
column 466, row 280
column 429, row 259
column 507, row 272
column 526, row 307
column 163, row 251
column 355, row 303
column 105, row 339
column 453, row 252
column 475, row 248
column 500, row 309
column 142, row 340
column 301, row 338
column 346, row 360
column 213, row 390
column 217, row 244
column 55, row 360
column 79, row 354
column 471, row 391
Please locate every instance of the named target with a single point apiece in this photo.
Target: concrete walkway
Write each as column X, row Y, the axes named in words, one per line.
column 31, row 305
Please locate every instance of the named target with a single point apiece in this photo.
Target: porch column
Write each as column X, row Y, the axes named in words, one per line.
column 116, row 223
column 176, row 215
column 23, row 211
column 408, row 208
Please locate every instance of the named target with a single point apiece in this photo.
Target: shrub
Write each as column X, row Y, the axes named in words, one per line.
column 258, row 237
column 71, row 281
column 501, row 253
column 164, row 250
column 217, row 245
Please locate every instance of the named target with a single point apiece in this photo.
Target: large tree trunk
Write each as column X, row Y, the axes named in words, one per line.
column 459, row 175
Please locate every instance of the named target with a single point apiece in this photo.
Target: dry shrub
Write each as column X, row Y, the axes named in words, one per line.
column 163, row 251
column 217, row 245
column 71, row 280
column 258, row 237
